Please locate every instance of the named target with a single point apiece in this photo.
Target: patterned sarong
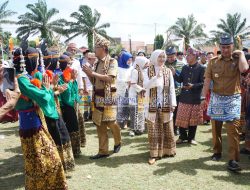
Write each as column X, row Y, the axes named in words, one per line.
column 224, row 108
column 189, row 115
column 161, row 137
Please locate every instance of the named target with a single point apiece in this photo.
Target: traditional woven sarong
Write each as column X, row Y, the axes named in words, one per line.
column 43, row 166
column 137, row 118
column 161, row 137
column 123, row 108
column 224, row 108
column 189, row 115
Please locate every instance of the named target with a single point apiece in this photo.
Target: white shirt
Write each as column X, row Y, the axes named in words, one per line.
column 159, row 83
column 89, row 85
column 80, row 74
column 123, row 79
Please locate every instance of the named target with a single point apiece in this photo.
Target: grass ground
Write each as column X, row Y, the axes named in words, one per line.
column 128, row 170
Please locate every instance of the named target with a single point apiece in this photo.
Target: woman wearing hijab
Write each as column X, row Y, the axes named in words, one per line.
column 141, row 53
column 136, row 96
column 43, row 166
column 68, row 99
column 161, row 102
column 122, row 85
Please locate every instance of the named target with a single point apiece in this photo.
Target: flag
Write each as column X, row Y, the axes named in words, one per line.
column 11, row 44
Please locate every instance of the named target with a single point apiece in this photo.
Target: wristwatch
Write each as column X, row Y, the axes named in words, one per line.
column 202, row 98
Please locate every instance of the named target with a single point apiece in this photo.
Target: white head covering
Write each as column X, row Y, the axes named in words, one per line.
column 141, row 61
column 154, row 56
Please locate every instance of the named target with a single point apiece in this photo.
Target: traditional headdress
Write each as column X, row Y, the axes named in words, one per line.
column 100, row 40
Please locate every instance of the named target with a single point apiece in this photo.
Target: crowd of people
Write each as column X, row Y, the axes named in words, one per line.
column 166, row 95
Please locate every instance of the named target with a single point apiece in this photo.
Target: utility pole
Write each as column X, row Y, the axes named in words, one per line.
column 130, row 43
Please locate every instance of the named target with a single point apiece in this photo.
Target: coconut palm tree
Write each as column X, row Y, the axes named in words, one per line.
column 4, row 14
column 85, row 24
column 234, row 26
column 38, row 21
column 188, row 28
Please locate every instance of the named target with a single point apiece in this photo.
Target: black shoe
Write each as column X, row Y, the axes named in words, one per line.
column 233, row 166
column 216, row 156
column 242, row 137
column 98, row 156
column 117, row 148
column 138, row 133
column 245, row 151
column 169, row 156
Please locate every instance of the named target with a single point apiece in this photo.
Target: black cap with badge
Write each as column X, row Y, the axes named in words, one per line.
column 226, row 39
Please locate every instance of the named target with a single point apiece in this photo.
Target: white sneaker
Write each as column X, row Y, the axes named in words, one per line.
column 131, row 133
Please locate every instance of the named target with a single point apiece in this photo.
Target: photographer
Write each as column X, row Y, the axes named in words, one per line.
column 11, row 96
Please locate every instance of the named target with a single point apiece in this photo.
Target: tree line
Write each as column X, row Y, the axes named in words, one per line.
column 39, row 20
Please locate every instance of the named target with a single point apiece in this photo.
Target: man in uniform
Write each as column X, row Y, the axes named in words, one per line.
column 104, row 113
column 176, row 65
column 224, row 72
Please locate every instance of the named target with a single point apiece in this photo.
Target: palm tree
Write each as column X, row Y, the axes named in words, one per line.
column 85, row 23
column 232, row 26
column 4, row 14
column 38, row 21
column 188, row 28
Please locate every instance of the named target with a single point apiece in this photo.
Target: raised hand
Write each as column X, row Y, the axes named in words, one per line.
column 46, row 81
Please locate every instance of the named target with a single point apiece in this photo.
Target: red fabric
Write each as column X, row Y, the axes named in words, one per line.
column 188, row 115
column 67, row 74
column 50, row 74
column 11, row 116
column 36, row 82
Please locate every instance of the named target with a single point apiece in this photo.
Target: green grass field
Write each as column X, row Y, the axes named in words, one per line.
column 128, row 170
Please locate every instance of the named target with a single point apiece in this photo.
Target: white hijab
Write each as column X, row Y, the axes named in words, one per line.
column 154, row 56
column 141, row 61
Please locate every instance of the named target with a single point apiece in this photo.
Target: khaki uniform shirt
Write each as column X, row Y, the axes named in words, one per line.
column 112, row 71
column 225, row 75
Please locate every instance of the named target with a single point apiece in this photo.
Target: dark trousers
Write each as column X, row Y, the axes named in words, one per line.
column 188, row 133
column 175, row 111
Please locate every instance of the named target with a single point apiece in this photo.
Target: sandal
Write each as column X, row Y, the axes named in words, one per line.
column 151, row 161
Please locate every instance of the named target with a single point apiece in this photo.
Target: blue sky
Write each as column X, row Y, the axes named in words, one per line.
column 137, row 17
